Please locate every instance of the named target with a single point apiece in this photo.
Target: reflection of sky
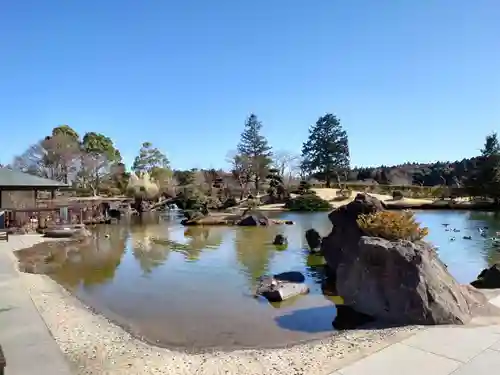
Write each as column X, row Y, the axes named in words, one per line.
column 465, row 258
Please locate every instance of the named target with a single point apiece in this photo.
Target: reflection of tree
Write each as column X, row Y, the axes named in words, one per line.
column 491, row 221
column 95, row 260
column 199, row 239
column 254, row 250
column 148, row 253
column 316, row 267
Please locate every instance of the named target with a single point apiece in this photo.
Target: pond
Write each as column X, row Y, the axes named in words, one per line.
column 193, row 290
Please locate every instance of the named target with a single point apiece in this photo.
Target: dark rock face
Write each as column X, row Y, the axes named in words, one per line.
column 489, row 278
column 348, row 318
column 253, row 218
column 395, row 281
column 313, row 240
column 280, row 240
column 346, row 233
column 403, row 282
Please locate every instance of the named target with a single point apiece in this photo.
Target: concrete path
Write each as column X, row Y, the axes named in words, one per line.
column 28, row 346
column 436, row 351
column 30, row 349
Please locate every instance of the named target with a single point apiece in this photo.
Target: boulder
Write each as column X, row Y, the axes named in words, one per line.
column 348, row 318
column 280, row 240
column 345, row 232
column 282, row 286
column 489, row 278
column 290, row 276
column 251, row 218
column 285, row 290
column 395, row 281
column 313, row 239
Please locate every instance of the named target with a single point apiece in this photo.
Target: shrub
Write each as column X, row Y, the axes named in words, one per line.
column 392, row 225
column 308, row 202
column 397, row 195
column 304, row 187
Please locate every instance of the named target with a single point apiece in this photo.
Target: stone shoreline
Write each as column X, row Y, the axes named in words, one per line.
column 95, row 345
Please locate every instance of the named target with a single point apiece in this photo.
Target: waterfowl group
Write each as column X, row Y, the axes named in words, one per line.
column 482, row 232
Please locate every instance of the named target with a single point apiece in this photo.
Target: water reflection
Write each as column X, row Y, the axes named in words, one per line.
column 254, row 250
column 464, row 257
column 95, row 262
column 146, row 251
column 192, row 286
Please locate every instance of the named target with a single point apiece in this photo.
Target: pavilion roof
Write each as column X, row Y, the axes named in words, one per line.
column 13, row 180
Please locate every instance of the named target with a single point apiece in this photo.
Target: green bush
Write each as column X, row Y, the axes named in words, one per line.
column 392, row 225
column 308, row 202
column 304, row 187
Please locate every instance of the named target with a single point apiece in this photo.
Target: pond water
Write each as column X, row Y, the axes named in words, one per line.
column 196, row 291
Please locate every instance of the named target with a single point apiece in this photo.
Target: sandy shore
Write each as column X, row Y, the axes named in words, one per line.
column 96, row 346
column 331, row 194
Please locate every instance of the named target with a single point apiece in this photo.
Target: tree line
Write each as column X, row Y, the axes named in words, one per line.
column 93, row 164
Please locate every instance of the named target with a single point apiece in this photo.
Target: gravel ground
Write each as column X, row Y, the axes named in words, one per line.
column 96, row 346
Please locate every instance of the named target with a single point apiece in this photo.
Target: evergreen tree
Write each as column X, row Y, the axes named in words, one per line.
column 326, row 151
column 254, row 147
column 149, row 159
column 484, row 180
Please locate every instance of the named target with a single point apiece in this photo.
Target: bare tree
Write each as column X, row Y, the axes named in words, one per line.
column 287, row 165
column 54, row 157
column 93, row 168
column 241, row 170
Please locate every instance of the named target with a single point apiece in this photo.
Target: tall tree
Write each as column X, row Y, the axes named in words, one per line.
column 53, row 157
column 484, row 180
column 255, row 149
column 149, row 158
column 98, row 155
column 326, row 151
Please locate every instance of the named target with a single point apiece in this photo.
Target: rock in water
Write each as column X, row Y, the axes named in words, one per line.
column 280, row 240
column 313, row 239
column 396, row 281
column 290, row 276
column 251, row 218
column 282, row 286
column 285, row 290
column 489, row 278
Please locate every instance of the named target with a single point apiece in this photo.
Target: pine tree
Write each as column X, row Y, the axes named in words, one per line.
column 484, row 180
column 254, row 147
column 326, row 151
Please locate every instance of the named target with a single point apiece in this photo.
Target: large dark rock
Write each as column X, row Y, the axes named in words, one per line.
column 348, row 318
column 345, row 233
column 395, row 281
column 313, row 239
column 251, row 218
column 489, row 278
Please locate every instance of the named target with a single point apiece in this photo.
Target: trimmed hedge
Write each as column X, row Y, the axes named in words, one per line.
column 308, row 202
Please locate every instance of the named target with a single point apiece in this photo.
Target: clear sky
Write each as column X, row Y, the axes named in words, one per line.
column 410, row 80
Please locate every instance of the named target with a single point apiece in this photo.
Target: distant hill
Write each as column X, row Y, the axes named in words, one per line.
column 429, row 174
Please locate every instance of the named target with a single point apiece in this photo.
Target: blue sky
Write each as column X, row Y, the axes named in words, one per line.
column 410, row 80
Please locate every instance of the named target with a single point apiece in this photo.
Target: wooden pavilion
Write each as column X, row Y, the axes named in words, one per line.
column 19, row 191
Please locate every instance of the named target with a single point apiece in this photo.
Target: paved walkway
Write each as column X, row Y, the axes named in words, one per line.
column 436, row 351
column 28, row 346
